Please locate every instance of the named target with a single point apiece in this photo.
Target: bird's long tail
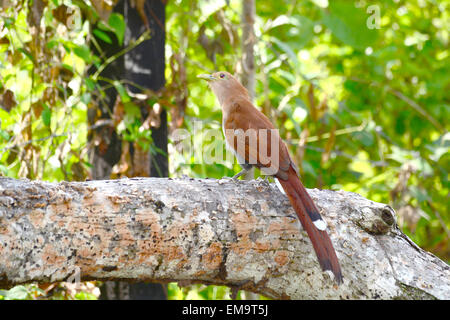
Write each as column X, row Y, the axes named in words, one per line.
column 312, row 222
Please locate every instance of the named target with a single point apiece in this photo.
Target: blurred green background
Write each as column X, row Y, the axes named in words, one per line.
column 360, row 91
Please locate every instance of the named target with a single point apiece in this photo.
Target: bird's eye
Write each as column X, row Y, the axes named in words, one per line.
column 222, row 75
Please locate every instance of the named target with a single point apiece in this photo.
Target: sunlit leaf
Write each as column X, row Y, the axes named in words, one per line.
column 15, row 293
column 27, row 53
column 122, row 92
column 102, row 35
column 90, row 83
column 118, row 25
column 83, row 52
column 349, row 24
column 46, row 115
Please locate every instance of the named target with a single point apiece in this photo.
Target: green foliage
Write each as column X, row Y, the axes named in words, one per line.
column 369, row 93
column 362, row 100
column 16, row 293
column 44, row 74
column 202, row 292
column 63, row 291
column 348, row 24
column 117, row 24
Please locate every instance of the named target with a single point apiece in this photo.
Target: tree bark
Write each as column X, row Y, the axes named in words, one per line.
column 241, row 234
column 248, row 45
column 143, row 67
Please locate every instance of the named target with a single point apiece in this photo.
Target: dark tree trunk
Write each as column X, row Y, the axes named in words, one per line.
column 143, row 66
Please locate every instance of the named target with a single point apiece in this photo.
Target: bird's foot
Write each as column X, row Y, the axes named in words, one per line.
column 236, row 176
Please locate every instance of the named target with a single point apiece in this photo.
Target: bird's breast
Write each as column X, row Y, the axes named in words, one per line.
column 229, row 137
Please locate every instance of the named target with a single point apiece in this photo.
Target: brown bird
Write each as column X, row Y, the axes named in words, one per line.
column 256, row 142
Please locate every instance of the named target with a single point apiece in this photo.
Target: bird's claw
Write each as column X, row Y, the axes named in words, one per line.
column 227, row 179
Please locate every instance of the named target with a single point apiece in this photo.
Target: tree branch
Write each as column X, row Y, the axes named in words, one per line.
column 240, row 234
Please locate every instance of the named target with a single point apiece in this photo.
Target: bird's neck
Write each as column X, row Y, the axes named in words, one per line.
column 228, row 103
column 227, row 96
column 226, row 92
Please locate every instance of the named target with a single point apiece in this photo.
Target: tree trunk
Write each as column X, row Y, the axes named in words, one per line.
column 241, row 234
column 248, row 46
column 143, row 66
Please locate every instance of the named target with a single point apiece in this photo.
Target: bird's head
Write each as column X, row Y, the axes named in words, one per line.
column 224, row 85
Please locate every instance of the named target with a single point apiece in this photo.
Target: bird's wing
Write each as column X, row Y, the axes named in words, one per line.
column 255, row 139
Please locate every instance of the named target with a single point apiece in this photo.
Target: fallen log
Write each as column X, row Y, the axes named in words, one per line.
column 243, row 234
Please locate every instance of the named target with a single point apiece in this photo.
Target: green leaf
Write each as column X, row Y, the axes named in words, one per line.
column 349, row 24
column 286, row 48
column 308, row 168
column 296, row 30
column 46, row 115
column 303, row 31
column 86, row 98
column 52, row 43
column 16, row 293
column 122, row 92
column 440, row 147
column 366, row 138
column 102, row 36
column 4, row 135
column 419, row 193
column 103, row 26
column 26, row 53
column 8, row 21
column 83, row 52
column 90, row 84
column 116, row 22
column 132, row 110
column 4, row 170
column 85, row 296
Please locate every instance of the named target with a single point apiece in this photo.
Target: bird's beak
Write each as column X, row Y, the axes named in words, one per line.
column 207, row 77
